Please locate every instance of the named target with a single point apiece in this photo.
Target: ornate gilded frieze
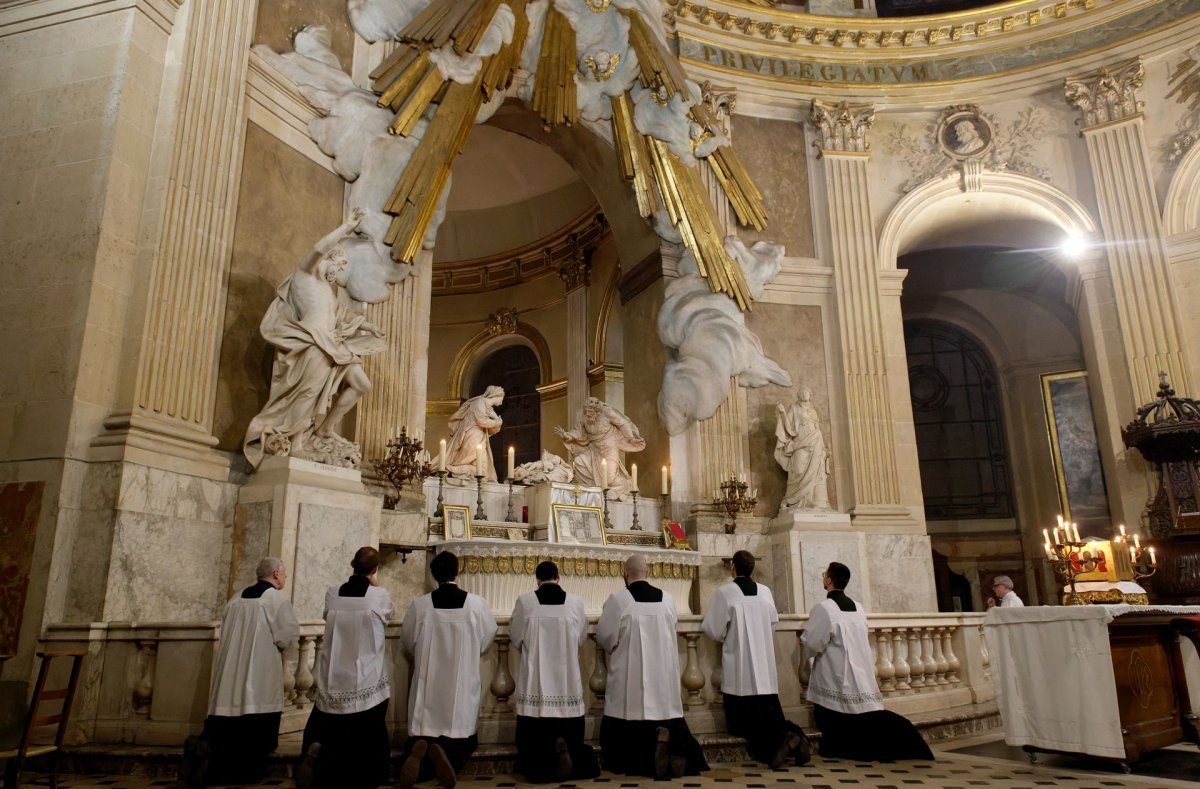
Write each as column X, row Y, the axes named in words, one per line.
column 569, row 566
column 502, row 321
column 842, row 127
column 1107, row 94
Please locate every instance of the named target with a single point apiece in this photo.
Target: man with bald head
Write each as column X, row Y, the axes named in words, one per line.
column 246, row 701
column 643, row 731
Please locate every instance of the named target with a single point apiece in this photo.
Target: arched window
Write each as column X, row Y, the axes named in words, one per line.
column 960, row 432
column 516, row 370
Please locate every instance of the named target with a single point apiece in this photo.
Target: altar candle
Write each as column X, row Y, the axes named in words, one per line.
column 512, row 456
column 1046, row 533
column 479, row 460
column 1075, row 528
column 1057, row 540
column 1137, row 541
column 664, row 481
column 1133, row 554
column 1153, row 558
column 442, row 456
column 1122, row 528
column 633, row 473
column 604, row 473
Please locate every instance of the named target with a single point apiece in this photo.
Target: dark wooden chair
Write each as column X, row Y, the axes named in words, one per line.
column 35, row 718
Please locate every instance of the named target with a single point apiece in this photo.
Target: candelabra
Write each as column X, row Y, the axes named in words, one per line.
column 637, row 525
column 511, row 516
column 1141, row 557
column 734, row 498
column 479, row 515
column 1068, row 563
column 405, row 461
column 1070, row 558
column 441, row 477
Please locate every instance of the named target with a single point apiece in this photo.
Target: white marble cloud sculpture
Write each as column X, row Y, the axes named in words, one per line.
column 709, row 340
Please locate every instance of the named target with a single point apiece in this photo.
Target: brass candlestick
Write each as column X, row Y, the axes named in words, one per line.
column 604, row 496
column 406, row 460
column 510, row 517
column 637, row 526
column 441, row 477
column 480, row 515
column 734, row 499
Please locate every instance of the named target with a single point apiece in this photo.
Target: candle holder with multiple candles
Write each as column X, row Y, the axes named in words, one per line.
column 1094, row 570
column 736, row 497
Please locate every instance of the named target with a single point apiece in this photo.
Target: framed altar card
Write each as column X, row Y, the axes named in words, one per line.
column 578, row 525
column 674, row 536
column 456, row 522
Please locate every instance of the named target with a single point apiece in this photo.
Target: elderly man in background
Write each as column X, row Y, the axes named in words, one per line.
column 346, row 741
column 444, row 633
column 847, row 706
column 548, row 627
column 246, row 701
column 643, row 731
column 742, row 618
column 1005, row 597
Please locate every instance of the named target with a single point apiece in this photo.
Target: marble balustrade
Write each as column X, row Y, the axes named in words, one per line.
column 147, row 683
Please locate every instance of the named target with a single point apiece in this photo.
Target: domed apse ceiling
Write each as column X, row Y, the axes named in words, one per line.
column 507, row 192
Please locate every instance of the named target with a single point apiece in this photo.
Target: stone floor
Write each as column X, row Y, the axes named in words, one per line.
column 960, row 764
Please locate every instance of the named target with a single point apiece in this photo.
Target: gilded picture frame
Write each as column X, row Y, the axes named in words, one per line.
column 1075, row 451
column 456, row 522
column 575, row 524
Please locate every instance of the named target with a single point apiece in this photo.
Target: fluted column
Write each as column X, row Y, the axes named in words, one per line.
column 399, row 375
column 175, row 388
column 1129, row 215
column 842, row 132
column 576, row 275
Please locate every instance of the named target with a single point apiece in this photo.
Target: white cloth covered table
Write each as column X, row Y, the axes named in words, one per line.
column 1053, row 673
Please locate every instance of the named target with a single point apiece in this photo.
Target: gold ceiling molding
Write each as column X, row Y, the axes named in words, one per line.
column 409, row 83
column 536, row 259
column 856, row 32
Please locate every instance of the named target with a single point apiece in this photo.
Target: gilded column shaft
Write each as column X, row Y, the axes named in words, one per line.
column 181, row 336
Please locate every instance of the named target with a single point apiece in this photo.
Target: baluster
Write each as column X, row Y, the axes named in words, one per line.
column 143, row 688
column 899, row 663
column 693, row 677
column 503, row 684
column 289, row 674
column 916, row 666
column 885, row 672
column 598, row 682
column 928, row 659
column 802, row 671
column 941, row 665
column 715, row 679
column 304, row 675
column 987, row 658
column 317, row 641
column 952, row 662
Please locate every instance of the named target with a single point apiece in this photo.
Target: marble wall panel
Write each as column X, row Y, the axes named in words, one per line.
column 251, row 542
column 279, row 20
column 20, row 506
column 818, row 549
column 326, row 540
column 286, row 203
column 901, row 571
column 776, row 157
column 792, row 336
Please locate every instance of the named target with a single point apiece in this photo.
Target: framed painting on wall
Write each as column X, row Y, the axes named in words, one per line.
column 1075, row 450
column 578, row 525
column 456, row 522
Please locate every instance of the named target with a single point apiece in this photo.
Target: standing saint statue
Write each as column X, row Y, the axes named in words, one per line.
column 603, row 434
column 472, row 424
column 800, row 449
column 320, row 336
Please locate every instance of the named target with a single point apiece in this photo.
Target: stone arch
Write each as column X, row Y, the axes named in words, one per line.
column 1031, row 203
column 487, row 342
column 1181, row 208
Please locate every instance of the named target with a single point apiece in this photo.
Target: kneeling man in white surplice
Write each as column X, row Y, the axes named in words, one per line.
column 548, row 627
column 246, row 701
column 643, row 731
column 847, row 706
column 444, row 633
column 346, row 742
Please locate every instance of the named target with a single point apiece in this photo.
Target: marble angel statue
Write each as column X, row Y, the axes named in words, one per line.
column 472, row 425
column 602, row 435
column 320, row 336
column 800, row 450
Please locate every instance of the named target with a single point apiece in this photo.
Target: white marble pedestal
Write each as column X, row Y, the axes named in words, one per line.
column 620, row 512
column 802, row 544
column 313, row 517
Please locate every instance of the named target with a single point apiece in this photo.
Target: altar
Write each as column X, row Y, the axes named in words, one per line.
column 502, row 570
column 1109, row 681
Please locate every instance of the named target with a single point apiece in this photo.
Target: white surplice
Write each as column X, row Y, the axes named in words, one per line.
column 248, row 675
column 843, row 672
column 445, row 645
column 1010, row 600
column 547, row 639
column 745, row 626
column 352, row 672
column 643, row 659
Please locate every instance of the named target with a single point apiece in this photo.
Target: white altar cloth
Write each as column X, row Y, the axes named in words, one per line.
column 502, row 570
column 1053, row 673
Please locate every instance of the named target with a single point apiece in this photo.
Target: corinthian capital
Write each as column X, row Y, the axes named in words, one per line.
column 575, row 270
column 1107, row 94
column 842, row 127
column 719, row 102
